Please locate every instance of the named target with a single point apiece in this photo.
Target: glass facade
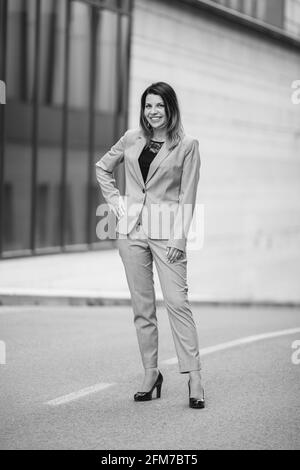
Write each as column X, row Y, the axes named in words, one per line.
column 272, row 12
column 65, row 64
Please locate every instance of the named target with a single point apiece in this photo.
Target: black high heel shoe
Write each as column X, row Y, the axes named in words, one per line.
column 196, row 402
column 146, row 396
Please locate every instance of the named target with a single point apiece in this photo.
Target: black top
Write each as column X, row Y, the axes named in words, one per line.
column 148, row 154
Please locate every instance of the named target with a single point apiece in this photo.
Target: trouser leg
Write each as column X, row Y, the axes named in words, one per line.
column 138, row 264
column 173, row 282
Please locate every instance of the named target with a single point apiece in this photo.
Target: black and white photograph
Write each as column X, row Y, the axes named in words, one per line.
column 149, row 227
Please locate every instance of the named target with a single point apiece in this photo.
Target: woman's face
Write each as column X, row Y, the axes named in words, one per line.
column 155, row 111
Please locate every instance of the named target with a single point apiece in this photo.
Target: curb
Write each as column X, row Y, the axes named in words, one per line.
column 71, row 298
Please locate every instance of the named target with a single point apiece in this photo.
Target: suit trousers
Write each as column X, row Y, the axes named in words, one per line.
column 137, row 252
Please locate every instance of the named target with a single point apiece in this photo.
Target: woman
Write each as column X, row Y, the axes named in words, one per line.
column 162, row 171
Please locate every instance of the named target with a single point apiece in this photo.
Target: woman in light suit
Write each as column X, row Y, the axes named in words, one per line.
column 162, row 167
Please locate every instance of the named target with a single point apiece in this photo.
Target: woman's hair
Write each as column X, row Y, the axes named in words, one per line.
column 174, row 125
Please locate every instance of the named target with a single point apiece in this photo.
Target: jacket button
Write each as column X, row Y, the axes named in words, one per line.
column 144, row 191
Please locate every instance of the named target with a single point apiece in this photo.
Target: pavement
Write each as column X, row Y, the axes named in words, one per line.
column 70, row 375
column 216, row 275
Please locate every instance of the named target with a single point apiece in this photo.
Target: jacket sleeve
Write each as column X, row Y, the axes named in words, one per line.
column 104, row 172
column 187, row 197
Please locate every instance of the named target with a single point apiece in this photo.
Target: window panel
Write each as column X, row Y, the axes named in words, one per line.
column 271, row 12
column 268, row 11
column 51, row 79
column 124, row 59
column 249, row 7
column 261, row 10
column 106, row 62
column 292, row 17
column 78, row 123
column 20, row 49
column 79, row 55
column 20, row 54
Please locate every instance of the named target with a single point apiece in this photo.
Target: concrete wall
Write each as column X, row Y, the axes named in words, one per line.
column 234, row 87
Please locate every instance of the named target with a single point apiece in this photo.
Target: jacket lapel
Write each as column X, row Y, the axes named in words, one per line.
column 160, row 157
column 138, row 147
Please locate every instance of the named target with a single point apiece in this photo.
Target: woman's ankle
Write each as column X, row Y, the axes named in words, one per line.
column 195, row 375
column 151, row 370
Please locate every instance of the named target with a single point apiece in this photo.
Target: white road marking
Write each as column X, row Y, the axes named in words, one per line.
column 238, row 342
column 81, row 393
column 203, row 352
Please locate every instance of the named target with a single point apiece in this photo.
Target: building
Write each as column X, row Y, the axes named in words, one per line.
column 74, row 72
column 65, row 65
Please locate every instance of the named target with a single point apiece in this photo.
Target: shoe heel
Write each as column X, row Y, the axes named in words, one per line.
column 145, row 396
column 196, row 402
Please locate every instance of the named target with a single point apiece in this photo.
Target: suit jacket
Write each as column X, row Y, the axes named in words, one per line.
column 166, row 201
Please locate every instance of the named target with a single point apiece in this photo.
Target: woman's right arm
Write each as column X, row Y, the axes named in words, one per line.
column 104, row 174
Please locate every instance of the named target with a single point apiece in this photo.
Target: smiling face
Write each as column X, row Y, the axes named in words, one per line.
column 155, row 111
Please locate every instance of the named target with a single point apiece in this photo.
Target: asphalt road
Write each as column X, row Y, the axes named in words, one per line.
column 252, row 389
